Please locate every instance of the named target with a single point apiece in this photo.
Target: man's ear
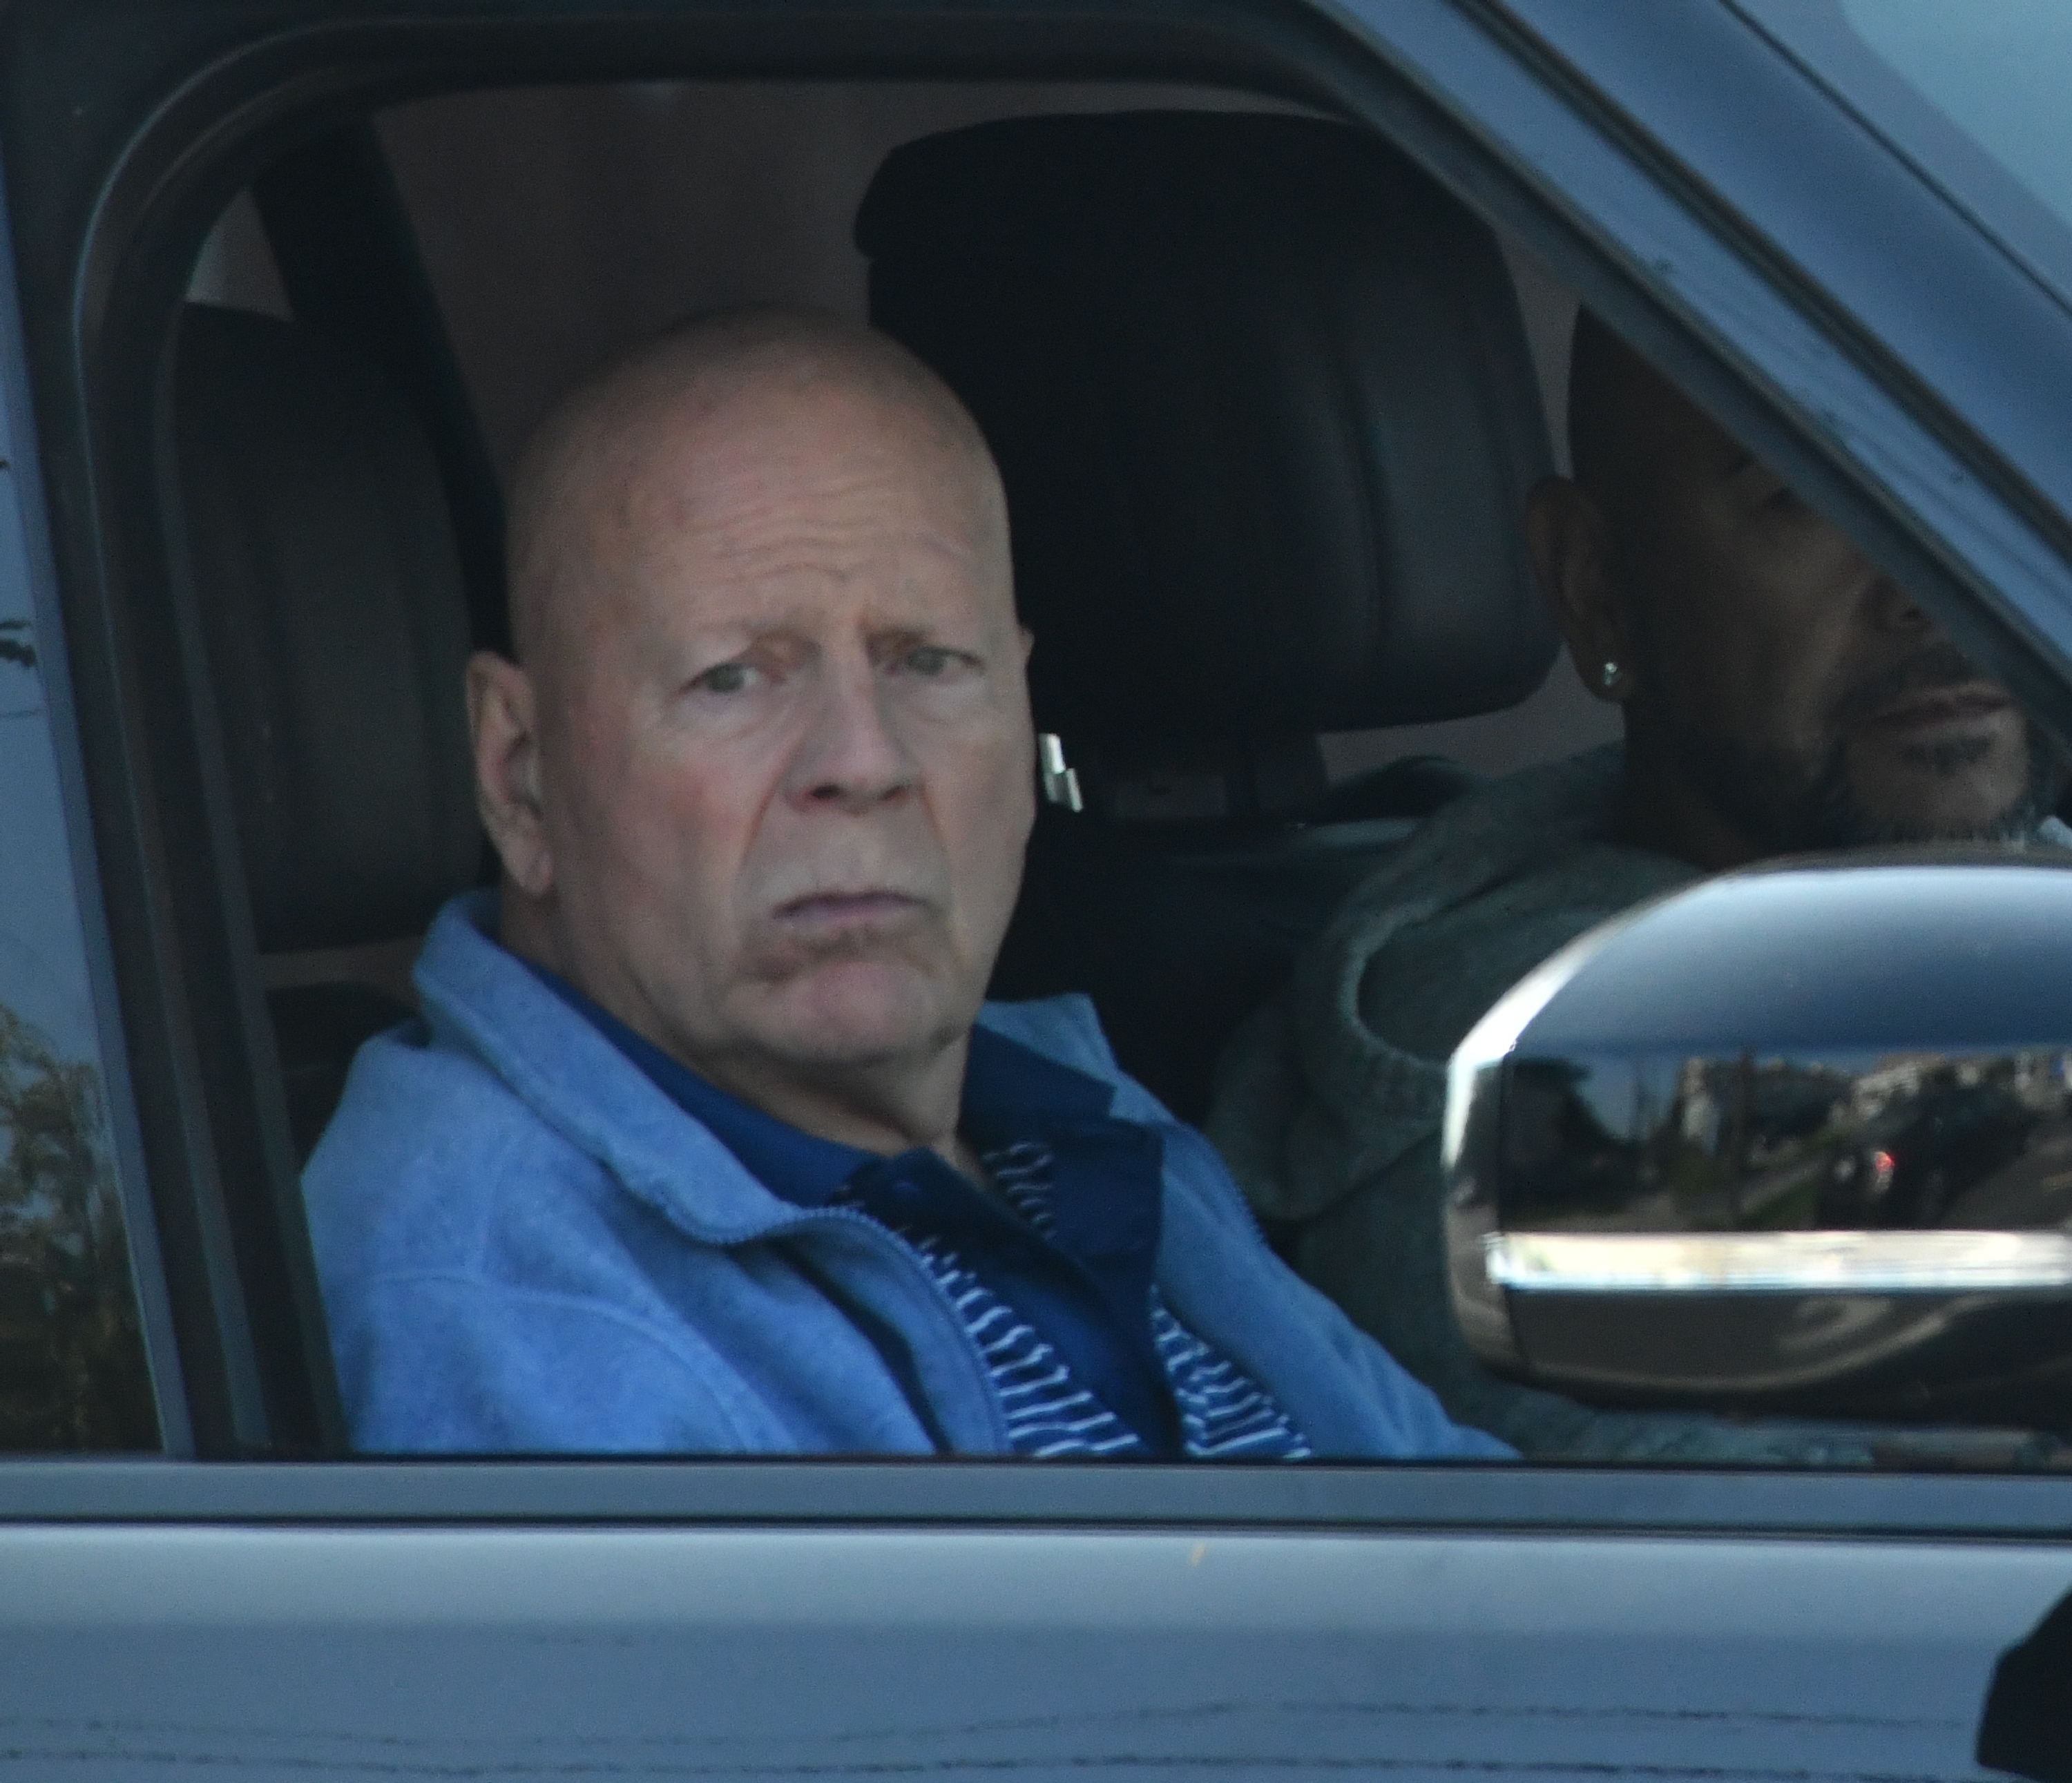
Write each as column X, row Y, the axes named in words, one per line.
column 1569, row 543
column 503, row 724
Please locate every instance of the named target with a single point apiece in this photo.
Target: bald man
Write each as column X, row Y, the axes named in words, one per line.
column 705, row 1142
column 1778, row 693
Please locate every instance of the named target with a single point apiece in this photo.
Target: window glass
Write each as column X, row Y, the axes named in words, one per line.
column 1974, row 95
column 72, row 1373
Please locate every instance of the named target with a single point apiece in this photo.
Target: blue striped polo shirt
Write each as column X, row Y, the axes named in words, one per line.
column 1051, row 1274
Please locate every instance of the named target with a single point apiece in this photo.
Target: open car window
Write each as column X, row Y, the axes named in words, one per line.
column 540, row 256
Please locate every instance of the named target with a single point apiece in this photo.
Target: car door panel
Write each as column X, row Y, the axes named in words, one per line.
column 545, row 1651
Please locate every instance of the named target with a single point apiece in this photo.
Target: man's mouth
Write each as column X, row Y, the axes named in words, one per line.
column 1933, row 708
column 833, row 911
column 1938, row 687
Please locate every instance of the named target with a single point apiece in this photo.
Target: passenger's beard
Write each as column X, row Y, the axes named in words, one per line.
column 1789, row 805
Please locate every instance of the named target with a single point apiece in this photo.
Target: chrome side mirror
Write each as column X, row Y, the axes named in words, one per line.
column 1797, row 1138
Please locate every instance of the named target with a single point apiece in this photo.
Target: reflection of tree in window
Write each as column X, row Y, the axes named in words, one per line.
column 71, row 1360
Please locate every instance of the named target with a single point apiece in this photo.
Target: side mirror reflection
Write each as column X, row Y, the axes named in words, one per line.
column 1795, row 1140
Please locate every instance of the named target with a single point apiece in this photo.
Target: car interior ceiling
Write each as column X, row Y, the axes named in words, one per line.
column 1169, row 327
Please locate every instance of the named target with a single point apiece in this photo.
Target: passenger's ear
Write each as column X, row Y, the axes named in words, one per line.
column 1568, row 539
column 503, row 724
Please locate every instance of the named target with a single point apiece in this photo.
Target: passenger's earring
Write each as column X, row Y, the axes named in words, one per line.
column 1609, row 675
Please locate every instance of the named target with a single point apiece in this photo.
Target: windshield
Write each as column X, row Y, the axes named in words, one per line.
column 1972, row 94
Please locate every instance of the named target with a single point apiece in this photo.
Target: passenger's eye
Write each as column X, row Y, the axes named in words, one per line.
column 725, row 678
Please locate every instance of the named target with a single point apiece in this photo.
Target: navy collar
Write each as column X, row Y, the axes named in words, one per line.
column 1011, row 1094
column 1087, row 1288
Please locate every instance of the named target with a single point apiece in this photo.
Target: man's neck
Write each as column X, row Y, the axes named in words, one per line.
column 1660, row 811
column 885, row 1108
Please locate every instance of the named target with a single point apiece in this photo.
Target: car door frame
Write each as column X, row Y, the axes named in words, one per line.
column 175, row 123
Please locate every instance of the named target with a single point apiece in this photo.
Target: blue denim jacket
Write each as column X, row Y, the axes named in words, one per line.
column 526, row 1246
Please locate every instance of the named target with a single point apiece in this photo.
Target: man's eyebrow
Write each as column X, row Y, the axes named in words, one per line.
column 900, row 633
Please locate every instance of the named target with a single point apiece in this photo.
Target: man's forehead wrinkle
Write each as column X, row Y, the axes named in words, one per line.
column 746, row 504
column 842, row 481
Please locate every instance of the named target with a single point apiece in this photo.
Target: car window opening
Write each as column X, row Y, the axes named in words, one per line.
column 1345, row 578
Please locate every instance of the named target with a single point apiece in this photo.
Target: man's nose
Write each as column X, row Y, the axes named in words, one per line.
column 851, row 756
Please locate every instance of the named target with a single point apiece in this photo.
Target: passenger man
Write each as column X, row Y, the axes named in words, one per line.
column 1779, row 693
column 704, row 1141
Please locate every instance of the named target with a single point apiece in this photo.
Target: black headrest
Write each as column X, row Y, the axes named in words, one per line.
column 1263, row 403
column 332, row 611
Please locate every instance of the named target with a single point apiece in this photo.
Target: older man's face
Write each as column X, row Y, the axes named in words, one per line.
column 785, row 745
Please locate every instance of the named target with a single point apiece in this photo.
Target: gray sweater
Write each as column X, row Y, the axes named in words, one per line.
column 1328, row 1100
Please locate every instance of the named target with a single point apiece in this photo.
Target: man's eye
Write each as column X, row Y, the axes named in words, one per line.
column 725, row 678
column 932, row 660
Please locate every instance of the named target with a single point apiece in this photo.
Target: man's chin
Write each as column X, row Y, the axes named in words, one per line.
column 1951, row 790
column 860, row 1014
column 1985, row 818
column 1854, row 797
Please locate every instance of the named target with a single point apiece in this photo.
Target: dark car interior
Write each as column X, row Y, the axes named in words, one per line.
column 1266, row 413
column 1267, row 419
column 337, row 631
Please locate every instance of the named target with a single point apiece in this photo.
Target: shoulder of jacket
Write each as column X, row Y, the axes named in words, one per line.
column 1065, row 1029
column 426, row 1142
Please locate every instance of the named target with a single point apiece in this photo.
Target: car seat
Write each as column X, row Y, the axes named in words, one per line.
column 1262, row 401
column 334, row 621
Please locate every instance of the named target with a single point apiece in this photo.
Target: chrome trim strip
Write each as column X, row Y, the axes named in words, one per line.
column 1707, row 1263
